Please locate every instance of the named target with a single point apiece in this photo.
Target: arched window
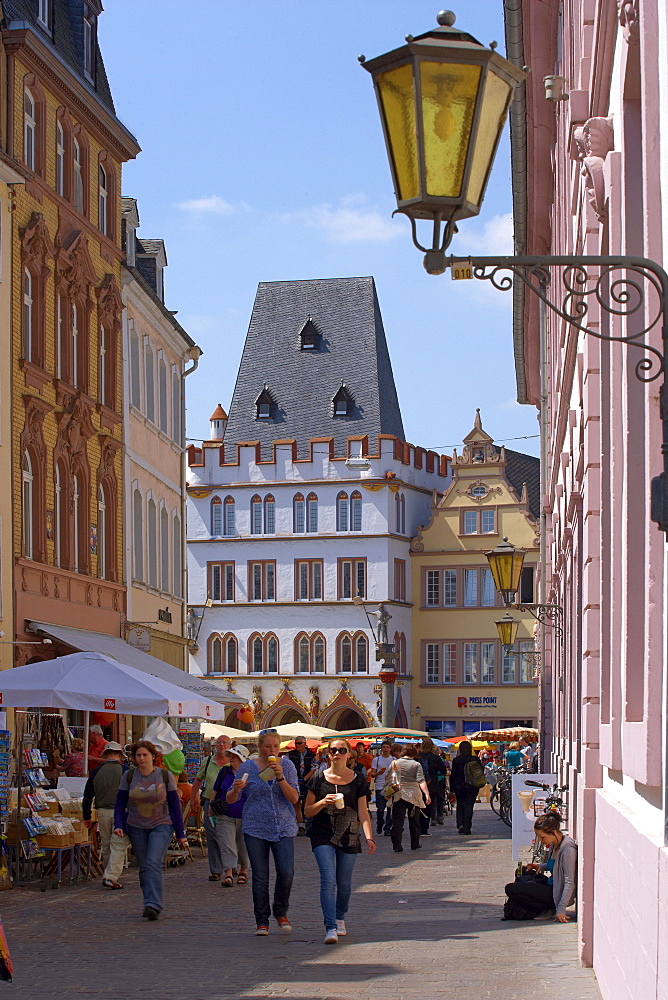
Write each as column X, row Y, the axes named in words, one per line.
column 229, row 520
column 263, row 654
column 176, row 407
column 216, row 655
column 312, row 513
column 318, row 660
column 78, row 176
column 152, row 534
column 29, row 130
column 272, row 654
column 177, row 555
column 400, row 647
column 269, row 515
column 135, row 369
column 76, row 521
column 231, row 658
column 216, row 517
column 101, row 534
column 28, row 316
column 102, row 367
column 60, row 159
column 299, row 514
column 138, row 534
column 356, row 511
column 103, row 201
column 74, row 342
column 162, row 394
column 342, row 512
column 361, row 654
column 149, row 380
column 402, row 509
column 28, row 506
column 345, row 651
column 57, row 516
column 256, row 658
column 164, row 550
column 61, row 346
column 222, row 654
column 303, row 655
column 256, row 516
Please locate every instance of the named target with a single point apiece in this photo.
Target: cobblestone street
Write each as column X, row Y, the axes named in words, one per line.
column 422, row 924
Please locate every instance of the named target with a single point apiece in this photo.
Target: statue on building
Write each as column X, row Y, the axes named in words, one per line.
column 257, row 703
column 383, row 618
column 314, row 704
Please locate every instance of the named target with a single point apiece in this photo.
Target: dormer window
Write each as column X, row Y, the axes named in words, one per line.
column 264, row 405
column 309, row 338
column 342, row 403
column 44, row 13
column 89, row 41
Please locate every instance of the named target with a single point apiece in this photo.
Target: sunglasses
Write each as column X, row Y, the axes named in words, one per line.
column 266, row 732
column 339, row 750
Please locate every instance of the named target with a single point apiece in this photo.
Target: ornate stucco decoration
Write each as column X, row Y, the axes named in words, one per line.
column 36, row 245
column 478, row 448
column 474, row 494
column 628, row 19
column 314, row 703
column 257, row 703
column 109, row 302
column 594, row 141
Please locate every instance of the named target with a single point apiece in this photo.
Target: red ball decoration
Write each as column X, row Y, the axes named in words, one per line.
column 103, row 718
column 245, row 714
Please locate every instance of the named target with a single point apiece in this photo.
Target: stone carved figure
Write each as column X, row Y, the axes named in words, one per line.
column 628, row 18
column 383, row 618
column 594, row 140
column 314, row 703
column 257, row 704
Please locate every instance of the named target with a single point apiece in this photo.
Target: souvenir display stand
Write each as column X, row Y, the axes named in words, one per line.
column 191, row 738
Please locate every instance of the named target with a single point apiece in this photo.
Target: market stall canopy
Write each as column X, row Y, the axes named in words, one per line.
column 292, row 729
column 381, row 733
column 211, row 731
column 112, row 645
column 505, row 735
column 92, row 682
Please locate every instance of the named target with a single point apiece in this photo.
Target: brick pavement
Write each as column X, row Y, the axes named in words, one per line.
column 421, row 924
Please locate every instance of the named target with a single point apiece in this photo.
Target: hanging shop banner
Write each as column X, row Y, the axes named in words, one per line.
column 528, row 803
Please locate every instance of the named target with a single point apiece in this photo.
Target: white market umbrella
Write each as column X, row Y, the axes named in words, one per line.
column 293, row 729
column 211, row 731
column 380, row 732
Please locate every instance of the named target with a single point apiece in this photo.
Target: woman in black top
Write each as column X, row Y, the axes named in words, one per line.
column 334, row 832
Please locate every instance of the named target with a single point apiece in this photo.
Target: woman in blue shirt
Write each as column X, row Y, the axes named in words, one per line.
column 514, row 756
column 269, row 826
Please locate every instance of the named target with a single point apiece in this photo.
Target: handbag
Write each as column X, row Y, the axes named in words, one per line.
column 393, row 784
column 219, row 807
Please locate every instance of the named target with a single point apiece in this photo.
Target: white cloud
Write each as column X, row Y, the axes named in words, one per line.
column 213, row 205
column 494, row 239
column 349, row 222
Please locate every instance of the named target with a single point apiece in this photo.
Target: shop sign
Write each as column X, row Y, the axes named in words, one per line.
column 110, row 704
column 462, row 702
column 483, row 700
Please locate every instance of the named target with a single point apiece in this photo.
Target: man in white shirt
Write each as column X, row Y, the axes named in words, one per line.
column 380, row 767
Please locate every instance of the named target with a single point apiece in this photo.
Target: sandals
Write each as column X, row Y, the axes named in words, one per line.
column 242, row 879
column 227, row 882
column 214, row 878
column 108, row 884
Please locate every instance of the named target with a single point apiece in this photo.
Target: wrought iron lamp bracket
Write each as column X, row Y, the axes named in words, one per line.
column 551, row 615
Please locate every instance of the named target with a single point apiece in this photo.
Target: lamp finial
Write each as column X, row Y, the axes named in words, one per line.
column 446, row 18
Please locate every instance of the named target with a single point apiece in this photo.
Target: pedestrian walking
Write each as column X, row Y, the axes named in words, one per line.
column 514, row 756
column 380, row 767
column 337, row 806
column 102, row 788
column 305, row 763
column 465, row 791
column 529, row 899
column 202, row 787
column 269, row 826
column 434, row 769
column 226, row 820
column 149, row 811
column 411, row 795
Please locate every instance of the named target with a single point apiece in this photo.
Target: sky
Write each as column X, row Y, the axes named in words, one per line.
column 263, row 160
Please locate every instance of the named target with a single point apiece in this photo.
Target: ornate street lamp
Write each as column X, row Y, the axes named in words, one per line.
column 443, row 100
column 507, row 628
column 505, row 562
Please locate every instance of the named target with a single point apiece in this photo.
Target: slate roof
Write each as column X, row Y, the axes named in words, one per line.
column 66, row 40
column 524, row 469
column 302, row 383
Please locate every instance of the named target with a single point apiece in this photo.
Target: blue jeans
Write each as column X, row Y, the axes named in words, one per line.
column 336, row 882
column 212, row 844
column 284, row 862
column 149, row 847
column 383, row 813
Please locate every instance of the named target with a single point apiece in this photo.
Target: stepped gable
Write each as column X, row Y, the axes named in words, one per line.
column 307, row 341
column 524, row 469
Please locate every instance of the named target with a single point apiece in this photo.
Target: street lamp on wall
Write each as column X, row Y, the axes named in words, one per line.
column 443, row 100
column 506, row 563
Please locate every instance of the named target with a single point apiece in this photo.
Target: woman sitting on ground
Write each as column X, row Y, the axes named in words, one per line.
column 558, row 892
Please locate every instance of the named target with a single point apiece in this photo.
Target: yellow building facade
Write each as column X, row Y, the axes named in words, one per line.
column 462, row 679
column 68, row 146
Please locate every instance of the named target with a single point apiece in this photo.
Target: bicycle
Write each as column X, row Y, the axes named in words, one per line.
column 504, row 793
column 553, row 803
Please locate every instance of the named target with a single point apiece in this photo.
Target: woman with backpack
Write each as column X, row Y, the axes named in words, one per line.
column 466, row 779
column 408, row 790
column 148, row 809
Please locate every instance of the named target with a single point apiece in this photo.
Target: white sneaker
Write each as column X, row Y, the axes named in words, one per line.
column 331, row 937
column 341, row 928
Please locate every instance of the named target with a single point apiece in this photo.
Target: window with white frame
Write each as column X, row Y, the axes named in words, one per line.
column 356, row 511
column 256, row 516
column 103, row 201
column 525, row 665
column 352, row 578
column 78, row 184
column 74, row 341
column 508, row 667
column 77, row 522
column 449, row 662
column 298, row 514
column 262, row 580
column 361, row 654
column 28, row 505
column 229, row 519
column 269, row 515
column 101, row 534
column 221, row 585
column 487, row 662
column 44, row 13
column 449, row 588
column 176, row 407
column 311, row 513
column 470, row 662
column 60, row 159
column 470, row 588
column 433, row 663
column 28, row 319
column 216, row 513
column 433, row 588
column 29, row 129
column 89, row 41
column 308, row 579
column 479, row 522
column 342, row 512
column 487, row 589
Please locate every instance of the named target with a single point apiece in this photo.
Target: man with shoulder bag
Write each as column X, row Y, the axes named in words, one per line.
column 205, row 780
column 380, row 769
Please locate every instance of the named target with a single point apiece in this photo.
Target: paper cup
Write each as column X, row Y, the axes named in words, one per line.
column 338, row 800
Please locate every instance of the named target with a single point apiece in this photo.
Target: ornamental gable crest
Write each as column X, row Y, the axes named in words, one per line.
column 36, row 244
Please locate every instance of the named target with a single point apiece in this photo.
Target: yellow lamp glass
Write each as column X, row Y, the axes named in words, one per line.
column 505, row 562
column 398, row 102
column 449, row 95
column 495, row 100
column 507, row 629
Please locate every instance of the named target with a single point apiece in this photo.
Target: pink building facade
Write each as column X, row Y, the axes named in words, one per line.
column 587, row 175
